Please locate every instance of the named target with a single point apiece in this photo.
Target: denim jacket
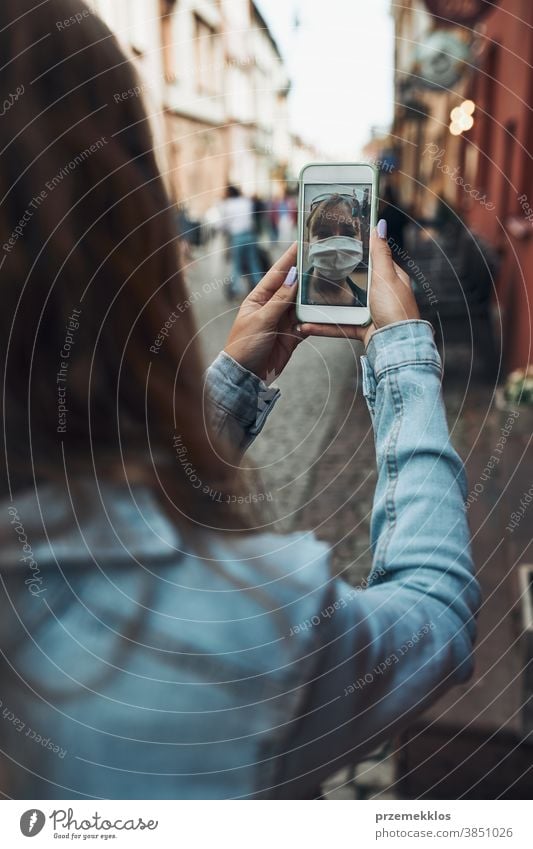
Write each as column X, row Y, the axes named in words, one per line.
column 251, row 672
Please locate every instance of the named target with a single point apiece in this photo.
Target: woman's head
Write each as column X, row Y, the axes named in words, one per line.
column 89, row 271
column 335, row 237
column 334, row 216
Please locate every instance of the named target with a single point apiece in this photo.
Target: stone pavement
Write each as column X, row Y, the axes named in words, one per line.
column 314, row 391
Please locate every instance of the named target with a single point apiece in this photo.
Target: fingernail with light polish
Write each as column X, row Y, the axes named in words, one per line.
column 290, row 279
column 382, row 228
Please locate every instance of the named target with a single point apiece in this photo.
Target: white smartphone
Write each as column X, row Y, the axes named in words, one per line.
column 336, row 211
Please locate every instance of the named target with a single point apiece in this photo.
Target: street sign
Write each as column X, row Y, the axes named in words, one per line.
column 441, row 59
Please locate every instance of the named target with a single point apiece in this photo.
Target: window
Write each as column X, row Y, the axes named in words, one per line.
column 167, row 47
column 206, row 56
column 486, row 85
column 507, row 167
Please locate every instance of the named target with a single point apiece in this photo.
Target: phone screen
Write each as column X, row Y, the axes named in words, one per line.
column 336, row 235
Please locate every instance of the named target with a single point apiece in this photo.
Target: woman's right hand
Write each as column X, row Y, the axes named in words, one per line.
column 391, row 296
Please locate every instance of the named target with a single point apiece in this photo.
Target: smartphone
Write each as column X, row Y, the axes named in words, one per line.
column 336, row 212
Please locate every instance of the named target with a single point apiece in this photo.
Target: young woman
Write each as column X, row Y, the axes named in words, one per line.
column 156, row 640
column 335, row 236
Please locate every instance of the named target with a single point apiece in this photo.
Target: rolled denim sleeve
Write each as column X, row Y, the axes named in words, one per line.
column 388, row 650
column 238, row 402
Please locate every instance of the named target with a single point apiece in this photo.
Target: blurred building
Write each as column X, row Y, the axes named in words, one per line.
column 302, row 153
column 270, row 119
column 380, row 151
column 195, row 102
column 137, row 26
column 226, row 100
column 463, row 133
column 497, row 157
column 480, row 164
column 216, row 88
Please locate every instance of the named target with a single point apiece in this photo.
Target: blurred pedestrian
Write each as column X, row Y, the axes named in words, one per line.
column 237, row 214
column 273, row 219
column 259, row 213
column 396, row 217
column 183, row 232
column 365, row 213
column 286, row 220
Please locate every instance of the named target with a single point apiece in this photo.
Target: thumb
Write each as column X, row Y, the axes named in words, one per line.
column 382, row 263
column 282, row 298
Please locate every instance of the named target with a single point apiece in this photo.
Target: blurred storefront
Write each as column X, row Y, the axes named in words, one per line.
column 463, row 137
column 502, row 164
column 463, row 132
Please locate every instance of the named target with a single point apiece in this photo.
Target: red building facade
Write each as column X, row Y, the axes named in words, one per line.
column 502, row 166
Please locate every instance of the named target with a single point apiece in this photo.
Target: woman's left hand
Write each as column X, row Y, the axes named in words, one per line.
column 264, row 334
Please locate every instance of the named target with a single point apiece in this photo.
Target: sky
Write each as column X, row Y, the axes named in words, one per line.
column 340, row 61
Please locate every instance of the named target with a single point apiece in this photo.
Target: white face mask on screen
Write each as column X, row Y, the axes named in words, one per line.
column 336, row 257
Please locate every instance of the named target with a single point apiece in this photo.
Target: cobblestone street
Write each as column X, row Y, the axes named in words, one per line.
column 317, row 393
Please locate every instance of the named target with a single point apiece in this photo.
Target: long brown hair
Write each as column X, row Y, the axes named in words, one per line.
column 90, row 277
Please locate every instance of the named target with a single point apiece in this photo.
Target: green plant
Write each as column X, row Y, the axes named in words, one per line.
column 519, row 386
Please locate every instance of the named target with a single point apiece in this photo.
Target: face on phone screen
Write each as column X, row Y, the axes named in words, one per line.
column 336, row 234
